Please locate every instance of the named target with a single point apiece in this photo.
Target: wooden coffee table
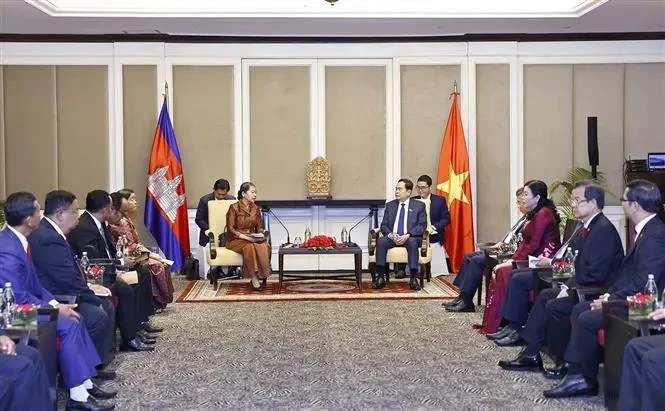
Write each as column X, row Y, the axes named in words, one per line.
column 353, row 250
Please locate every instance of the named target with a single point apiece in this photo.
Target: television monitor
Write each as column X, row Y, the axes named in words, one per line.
column 656, row 161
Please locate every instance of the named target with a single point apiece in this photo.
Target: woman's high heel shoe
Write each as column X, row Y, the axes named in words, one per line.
column 254, row 288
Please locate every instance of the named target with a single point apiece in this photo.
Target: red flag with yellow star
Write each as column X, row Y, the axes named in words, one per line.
column 454, row 184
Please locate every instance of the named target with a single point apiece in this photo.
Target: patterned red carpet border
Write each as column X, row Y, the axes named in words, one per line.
column 315, row 290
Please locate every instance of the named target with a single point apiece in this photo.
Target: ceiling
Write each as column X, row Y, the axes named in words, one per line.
column 613, row 16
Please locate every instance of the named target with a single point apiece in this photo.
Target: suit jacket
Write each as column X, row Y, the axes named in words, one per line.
column 540, row 235
column 439, row 217
column 15, row 267
column 201, row 218
column 58, row 270
column 416, row 221
column 86, row 237
column 646, row 257
column 600, row 253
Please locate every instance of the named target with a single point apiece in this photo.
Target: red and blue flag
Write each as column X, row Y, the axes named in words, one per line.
column 166, row 204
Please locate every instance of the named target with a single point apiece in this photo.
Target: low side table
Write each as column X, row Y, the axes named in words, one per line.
column 352, row 250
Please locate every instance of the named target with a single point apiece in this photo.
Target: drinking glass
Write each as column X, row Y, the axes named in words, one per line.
column 297, row 241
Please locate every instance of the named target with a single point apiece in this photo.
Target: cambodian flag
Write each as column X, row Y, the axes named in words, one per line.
column 166, row 205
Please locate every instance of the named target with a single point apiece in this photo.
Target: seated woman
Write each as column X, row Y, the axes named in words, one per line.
column 540, row 236
column 245, row 235
column 162, row 285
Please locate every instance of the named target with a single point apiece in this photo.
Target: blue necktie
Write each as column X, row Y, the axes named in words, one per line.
column 400, row 220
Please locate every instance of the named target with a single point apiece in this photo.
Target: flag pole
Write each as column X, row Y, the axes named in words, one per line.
column 455, row 92
column 166, row 94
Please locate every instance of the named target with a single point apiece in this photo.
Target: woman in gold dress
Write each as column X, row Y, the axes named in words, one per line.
column 245, row 235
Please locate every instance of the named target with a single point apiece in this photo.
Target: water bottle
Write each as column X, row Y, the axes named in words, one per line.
column 308, row 234
column 85, row 262
column 569, row 258
column 572, row 267
column 10, row 303
column 345, row 235
column 118, row 248
column 651, row 289
column 3, row 310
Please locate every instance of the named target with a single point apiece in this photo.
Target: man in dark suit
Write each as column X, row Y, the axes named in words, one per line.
column 641, row 201
column 438, row 217
column 77, row 355
column 404, row 222
column 135, row 301
column 470, row 275
column 220, row 191
column 60, row 273
column 23, row 379
column 643, row 372
column 599, row 255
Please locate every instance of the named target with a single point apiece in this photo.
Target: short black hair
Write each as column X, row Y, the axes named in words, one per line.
column 221, row 184
column 18, row 207
column 425, row 179
column 592, row 191
column 97, row 200
column 408, row 184
column 116, row 199
column 646, row 194
column 58, row 200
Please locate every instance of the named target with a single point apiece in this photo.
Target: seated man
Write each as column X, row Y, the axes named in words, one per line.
column 220, row 191
column 643, row 372
column 77, row 355
column 23, row 380
column 135, row 301
column 600, row 253
column 641, row 201
column 438, row 217
column 60, row 273
column 404, row 222
column 470, row 275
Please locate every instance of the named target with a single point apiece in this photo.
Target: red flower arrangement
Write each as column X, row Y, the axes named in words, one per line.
column 506, row 248
column 642, row 298
column 561, row 268
column 639, row 306
column 25, row 316
column 133, row 250
column 95, row 274
column 322, row 242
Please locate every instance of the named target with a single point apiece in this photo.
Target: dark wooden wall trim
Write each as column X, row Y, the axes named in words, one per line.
column 168, row 38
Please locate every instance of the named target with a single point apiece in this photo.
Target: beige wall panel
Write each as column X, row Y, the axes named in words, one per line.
column 139, row 88
column 599, row 92
column 203, row 122
column 493, row 201
column 425, row 105
column 83, row 148
column 644, row 128
column 548, row 122
column 3, row 194
column 279, row 131
column 356, row 131
column 30, row 129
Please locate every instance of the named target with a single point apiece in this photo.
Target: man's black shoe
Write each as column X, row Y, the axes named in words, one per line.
column 557, row 372
column 151, row 328
column 105, row 374
column 510, row 340
column 499, row 334
column 145, row 340
column 379, row 283
column 573, row 386
column 135, row 345
column 91, row 404
column 101, row 394
column 462, row 307
column 451, row 303
column 145, row 334
column 523, row 363
column 414, row 284
column 400, row 274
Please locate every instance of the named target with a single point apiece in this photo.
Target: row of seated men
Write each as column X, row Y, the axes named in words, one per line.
column 569, row 328
column 40, row 257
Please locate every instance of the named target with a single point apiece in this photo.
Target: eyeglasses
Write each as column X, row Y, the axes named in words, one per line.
column 575, row 202
column 421, row 188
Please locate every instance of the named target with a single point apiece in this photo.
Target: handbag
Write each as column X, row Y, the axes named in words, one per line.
column 190, row 268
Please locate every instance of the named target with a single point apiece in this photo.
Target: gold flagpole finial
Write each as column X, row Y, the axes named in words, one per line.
column 166, row 93
column 455, row 92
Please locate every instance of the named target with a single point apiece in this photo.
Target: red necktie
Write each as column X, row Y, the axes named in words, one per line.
column 29, row 252
column 584, row 232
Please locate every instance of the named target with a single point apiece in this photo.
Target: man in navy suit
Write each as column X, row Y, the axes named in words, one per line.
column 77, row 355
column 404, row 222
column 438, row 218
column 643, row 372
column 641, row 202
column 220, row 191
column 60, row 273
column 599, row 256
column 23, row 380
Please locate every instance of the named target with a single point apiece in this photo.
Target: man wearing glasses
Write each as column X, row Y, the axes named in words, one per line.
column 438, row 216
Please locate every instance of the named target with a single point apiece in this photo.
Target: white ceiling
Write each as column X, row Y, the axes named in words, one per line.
column 16, row 16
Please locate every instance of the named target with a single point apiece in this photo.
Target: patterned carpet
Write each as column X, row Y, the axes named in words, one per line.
column 325, row 356
column 315, row 290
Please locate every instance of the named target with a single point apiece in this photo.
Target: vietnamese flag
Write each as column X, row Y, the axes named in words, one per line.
column 454, row 184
